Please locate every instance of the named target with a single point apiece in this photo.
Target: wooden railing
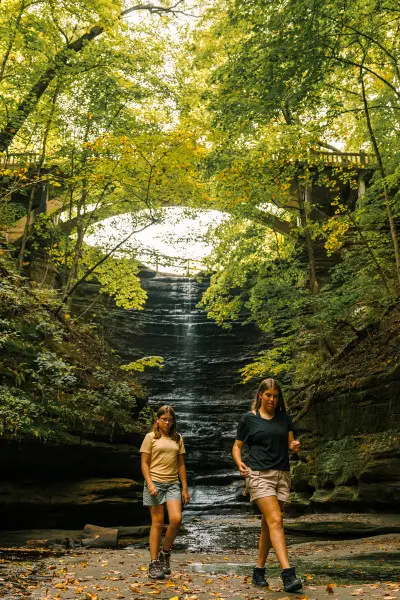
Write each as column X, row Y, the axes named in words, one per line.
column 185, row 266
column 344, row 159
column 18, row 159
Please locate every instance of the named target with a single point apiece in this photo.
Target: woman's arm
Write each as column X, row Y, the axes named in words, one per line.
column 294, row 445
column 237, row 457
column 183, row 478
column 145, row 465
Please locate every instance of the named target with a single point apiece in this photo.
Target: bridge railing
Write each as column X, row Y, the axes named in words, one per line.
column 171, row 264
column 186, row 266
column 18, row 159
column 344, row 159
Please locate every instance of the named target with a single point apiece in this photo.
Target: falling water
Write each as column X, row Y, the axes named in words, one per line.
column 200, row 379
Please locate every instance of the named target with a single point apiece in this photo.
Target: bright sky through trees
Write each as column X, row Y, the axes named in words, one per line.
column 183, row 235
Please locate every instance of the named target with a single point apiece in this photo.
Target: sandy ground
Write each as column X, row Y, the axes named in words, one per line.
column 90, row 574
column 367, row 568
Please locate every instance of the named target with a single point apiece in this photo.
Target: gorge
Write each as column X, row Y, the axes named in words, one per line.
column 350, row 459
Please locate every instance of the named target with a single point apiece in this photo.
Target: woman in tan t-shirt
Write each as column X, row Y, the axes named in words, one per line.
column 163, row 465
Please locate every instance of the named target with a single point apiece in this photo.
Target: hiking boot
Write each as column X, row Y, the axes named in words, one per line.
column 259, row 577
column 290, row 582
column 164, row 558
column 155, row 570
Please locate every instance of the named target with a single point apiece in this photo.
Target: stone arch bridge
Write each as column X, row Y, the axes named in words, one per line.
column 331, row 164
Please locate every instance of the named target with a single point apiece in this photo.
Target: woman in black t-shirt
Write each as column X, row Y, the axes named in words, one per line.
column 267, row 430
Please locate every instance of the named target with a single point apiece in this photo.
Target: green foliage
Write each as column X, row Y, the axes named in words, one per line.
column 118, row 278
column 56, row 378
column 234, row 121
column 142, row 363
column 18, row 413
column 278, row 84
column 52, row 373
column 10, row 213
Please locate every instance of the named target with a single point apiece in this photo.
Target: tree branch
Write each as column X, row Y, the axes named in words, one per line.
column 365, row 68
column 100, row 262
column 25, row 108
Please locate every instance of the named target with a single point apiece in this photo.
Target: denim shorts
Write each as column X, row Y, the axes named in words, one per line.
column 166, row 491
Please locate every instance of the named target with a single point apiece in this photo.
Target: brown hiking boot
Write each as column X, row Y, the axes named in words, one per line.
column 155, row 570
column 164, row 558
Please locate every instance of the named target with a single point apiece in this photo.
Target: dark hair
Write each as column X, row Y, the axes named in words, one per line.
column 269, row 384
column 166, row 410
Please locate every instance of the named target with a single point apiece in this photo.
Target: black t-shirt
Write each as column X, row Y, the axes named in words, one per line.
column 267, row 440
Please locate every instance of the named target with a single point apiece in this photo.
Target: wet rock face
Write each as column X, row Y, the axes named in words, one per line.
column 351, row 441
column 69, row 503
column 46, row 485
column 200, row 378
column 69, row 484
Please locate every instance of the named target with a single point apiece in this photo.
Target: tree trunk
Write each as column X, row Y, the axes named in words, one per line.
column 18, row 118
column 30, row 101
column 99, row 537
column 388, row 203
column 30, row 214
column 304, row 200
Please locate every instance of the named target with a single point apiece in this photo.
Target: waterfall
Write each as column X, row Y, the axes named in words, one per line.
column 200, row 380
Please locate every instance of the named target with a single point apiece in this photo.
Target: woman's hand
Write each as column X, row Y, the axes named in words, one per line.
column 153, row 491
column 244, row 469
column 185, row 497
column 294, row 446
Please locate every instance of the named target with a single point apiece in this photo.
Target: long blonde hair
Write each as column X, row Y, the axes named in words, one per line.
column 166, row 410
column 268, row 384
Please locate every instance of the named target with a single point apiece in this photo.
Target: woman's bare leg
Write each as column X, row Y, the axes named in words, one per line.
column 174, row 508
column 157, row 524
column 264, row 544
column 271, row 510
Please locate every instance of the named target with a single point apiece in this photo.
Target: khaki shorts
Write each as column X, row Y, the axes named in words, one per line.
column 269, row 483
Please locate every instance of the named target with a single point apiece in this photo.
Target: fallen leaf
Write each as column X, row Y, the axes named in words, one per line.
column 61, row 586
column 329, row 588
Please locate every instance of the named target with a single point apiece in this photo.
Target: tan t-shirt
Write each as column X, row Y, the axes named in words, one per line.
column 164, row 457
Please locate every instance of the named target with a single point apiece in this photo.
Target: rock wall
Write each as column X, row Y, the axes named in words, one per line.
column 200, row 379
column 94, row 479
column 67, row 485
column 351, row 432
